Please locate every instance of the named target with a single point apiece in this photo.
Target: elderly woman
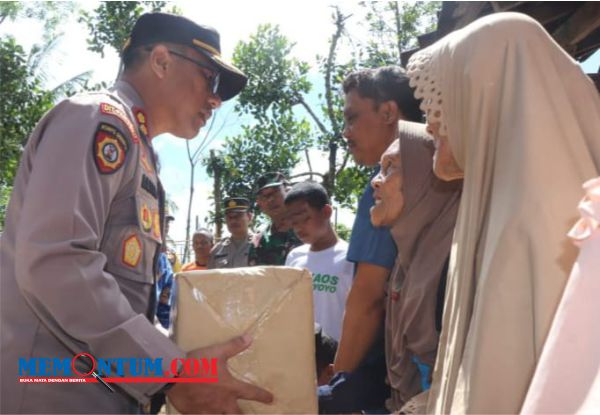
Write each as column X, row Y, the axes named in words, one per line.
column 202, row 242
column 515, row 115
column 422, row 211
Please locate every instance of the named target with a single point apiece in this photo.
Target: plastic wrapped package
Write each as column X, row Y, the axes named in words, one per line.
column 273, row 305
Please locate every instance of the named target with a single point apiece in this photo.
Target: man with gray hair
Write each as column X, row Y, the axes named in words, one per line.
column 202, row 243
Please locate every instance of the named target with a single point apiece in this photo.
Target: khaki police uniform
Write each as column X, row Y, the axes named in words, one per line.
column 78, row 254
column 230, row 254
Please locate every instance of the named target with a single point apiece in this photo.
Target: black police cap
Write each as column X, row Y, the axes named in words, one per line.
column 236, row 204
column 163, row 27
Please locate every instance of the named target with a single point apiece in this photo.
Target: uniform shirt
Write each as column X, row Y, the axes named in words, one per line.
column 271, row 248
column 230, row 253
column 193, row 266
column 370, row 244
column 79, row 252
column 332, row 278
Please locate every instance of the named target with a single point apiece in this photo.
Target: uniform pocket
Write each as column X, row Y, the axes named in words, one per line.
column 129, row 253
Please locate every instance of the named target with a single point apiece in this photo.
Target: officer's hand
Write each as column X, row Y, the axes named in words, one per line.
column 220, row 397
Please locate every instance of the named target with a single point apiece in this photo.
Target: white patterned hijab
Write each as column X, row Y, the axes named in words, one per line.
column 523, row 122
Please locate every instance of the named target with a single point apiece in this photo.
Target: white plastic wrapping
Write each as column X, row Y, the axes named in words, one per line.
column 273, row 305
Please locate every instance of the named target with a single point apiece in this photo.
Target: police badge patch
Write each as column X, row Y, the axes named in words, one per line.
column 132, row 251
column 146, row 218
column 142, row 120
column 156, row 233
column 110, row 148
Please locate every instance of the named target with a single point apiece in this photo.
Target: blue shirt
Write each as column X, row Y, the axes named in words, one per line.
column 368, row 243
column 164, row 286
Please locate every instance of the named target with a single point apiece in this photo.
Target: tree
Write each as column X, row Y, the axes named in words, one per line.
column 278, row 83
column 23, row 103
column 194, row 156
column 215, row 168
column 394, row 27
column 52, row 13
column 111, row 22
column 275, row 139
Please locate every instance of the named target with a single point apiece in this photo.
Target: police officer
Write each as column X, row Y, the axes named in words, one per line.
column 271, row 245
column 79, row 259
column 232, row 251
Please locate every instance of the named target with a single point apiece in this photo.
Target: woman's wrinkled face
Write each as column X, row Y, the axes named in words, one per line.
column 444, row 164
column 387, row 186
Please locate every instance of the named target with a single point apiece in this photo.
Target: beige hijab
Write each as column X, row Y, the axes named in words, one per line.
column 423, row 235
column 523, row 122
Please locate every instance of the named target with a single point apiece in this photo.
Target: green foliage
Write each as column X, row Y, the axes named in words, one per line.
column 274, row 141
column 110, row 23
column 10, row 10
column 278, row 82
column 275, row 80
column 350, row 184
column 393, row 27
column 23, row 103
column 343, row 232
column 272, row 145
column 52, row 13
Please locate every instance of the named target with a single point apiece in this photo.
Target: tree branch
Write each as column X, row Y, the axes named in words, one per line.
column 398, row 27
column 343, row 166
column 339, row 24
column 310, row 173
column 308, row 162
column 313, row 115
column 203, row 142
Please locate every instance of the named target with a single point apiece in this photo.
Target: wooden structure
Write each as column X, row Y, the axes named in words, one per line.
column 575, row 25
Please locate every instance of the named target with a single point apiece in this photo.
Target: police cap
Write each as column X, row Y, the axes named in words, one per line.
column 163, row 27
column 236, row 204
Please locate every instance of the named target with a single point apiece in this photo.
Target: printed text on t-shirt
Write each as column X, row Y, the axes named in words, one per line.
column 325, row 282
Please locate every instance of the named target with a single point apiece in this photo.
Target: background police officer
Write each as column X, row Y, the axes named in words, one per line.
column 232, row 251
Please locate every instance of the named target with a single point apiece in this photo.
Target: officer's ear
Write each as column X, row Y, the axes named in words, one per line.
column 160, row 60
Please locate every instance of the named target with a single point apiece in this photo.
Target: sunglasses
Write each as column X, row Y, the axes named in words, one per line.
column 213, row 81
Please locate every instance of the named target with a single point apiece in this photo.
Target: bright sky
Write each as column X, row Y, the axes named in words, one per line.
column 307, row 23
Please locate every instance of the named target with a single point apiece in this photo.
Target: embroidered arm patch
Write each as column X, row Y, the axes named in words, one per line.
column 110, row 109
column 132, row 251
column 110, row 148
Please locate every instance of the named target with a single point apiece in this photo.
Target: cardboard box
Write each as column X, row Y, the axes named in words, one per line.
column 275, row 306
